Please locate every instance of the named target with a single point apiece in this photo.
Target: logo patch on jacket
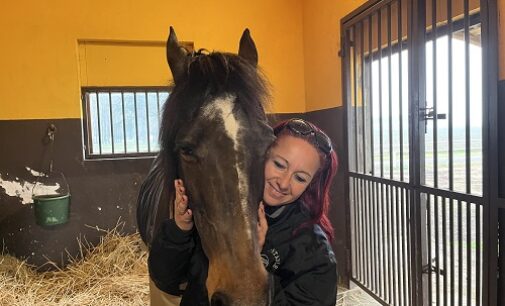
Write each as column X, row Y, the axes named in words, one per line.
column 271, row 259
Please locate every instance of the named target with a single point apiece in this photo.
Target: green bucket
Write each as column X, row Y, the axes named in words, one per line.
column 51, row 209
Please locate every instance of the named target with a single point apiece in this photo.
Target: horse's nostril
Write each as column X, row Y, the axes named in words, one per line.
column 219, row 299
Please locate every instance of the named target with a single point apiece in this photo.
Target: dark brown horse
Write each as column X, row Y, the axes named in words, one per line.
column 214, row 136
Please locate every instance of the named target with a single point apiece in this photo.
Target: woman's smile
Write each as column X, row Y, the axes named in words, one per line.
column 274, row 192
column 291, row 164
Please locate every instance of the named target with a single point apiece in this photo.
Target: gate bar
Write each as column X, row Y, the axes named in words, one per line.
column 390, row 93
column 434, row 71
column 379, row 43
column 467, row 97
column 400, row 78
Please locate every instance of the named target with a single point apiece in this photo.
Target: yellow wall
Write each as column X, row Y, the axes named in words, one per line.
column 39, row 57
column 321, row 32
column 298, row 42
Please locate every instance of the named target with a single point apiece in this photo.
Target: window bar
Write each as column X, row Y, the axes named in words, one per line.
column 359, row 214
column 429, row 222
column 89, row 135
column 158, row 104
column 147, row 121
column 399, row 262
column 124, row 121
column 467, row 96
column 444, row 246
column 379, row 43
column 434, row 71
column 358, row 229
column 451, row 247
column 355, row 107
column 409, row 245
column 390, row 95
column 365, row 232
column 374, row 257
column 362, row 232
column 389, row 239
column 400, row 40
column 370, row 235
column 370, row 89
column 356, row 226
column 359, row 190
column 477, row 255
column 380, row 229
column 449, row 90
column 99, row 125
column 110, row 122
column 352, row 195
column 404, row 240
column 437, row 248
column 363, row 100
column 469, row 226
column 460, row 254
column 136, row 122
column 349, row 63
column 366, row 203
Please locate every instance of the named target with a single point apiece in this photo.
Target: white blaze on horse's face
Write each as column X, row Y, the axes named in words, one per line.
column 223, row 107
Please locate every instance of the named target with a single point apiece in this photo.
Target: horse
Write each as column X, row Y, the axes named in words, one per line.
column 214, row 135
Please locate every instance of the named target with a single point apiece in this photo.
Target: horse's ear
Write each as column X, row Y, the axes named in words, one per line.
column 176, row 56
column 247, row 48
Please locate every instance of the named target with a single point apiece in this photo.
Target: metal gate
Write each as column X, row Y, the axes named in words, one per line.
column 415, row 77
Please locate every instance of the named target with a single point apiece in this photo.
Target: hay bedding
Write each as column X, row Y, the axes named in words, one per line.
column 112, row 273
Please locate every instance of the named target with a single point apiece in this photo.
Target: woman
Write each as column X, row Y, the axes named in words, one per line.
column 293, row 226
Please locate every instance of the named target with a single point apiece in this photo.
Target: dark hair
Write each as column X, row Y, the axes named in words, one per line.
column 316, row 198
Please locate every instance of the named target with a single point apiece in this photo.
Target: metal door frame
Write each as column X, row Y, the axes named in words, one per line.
column 417, row 91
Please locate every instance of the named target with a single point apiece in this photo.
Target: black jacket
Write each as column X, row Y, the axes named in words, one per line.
column 301, row 261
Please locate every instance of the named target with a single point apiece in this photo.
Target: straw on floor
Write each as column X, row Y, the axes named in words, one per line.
column 112, row 273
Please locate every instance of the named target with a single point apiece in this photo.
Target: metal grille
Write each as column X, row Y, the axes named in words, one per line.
column 415, row 109
column 122, row 122
column 454, row 231
column 380, row 232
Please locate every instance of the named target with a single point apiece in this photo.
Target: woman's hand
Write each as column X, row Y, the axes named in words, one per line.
column 262, row 226
column 182, row 214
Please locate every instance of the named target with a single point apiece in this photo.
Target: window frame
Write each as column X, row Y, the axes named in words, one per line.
column 87, row 125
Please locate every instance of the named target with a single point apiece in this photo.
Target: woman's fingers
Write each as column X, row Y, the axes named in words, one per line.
column 262, row 225
column 183, row 215
column 181, row 200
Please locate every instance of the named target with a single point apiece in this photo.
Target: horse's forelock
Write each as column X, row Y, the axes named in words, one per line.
column 209, row 76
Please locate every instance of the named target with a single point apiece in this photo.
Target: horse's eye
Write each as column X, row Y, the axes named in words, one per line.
column 188, row 151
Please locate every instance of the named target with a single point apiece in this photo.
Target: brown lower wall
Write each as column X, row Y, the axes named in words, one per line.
column 103, row 192
column 332, row 122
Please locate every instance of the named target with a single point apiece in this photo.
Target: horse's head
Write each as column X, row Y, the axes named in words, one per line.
column 214, row 136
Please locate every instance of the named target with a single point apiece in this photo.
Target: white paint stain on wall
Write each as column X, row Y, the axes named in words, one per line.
column 35, row 173
column 23, row 189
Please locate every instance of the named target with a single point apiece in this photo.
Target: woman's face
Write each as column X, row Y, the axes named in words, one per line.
column 290, row 167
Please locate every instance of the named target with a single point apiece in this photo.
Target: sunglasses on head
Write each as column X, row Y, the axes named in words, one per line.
column 302, row 127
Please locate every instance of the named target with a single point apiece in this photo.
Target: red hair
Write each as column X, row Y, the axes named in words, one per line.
column 316, row 198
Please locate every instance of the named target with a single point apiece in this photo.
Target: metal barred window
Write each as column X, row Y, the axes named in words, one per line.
column 121, row 122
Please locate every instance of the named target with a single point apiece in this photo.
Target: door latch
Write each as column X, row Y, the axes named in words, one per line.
column 428, row 113
column 431, row 268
